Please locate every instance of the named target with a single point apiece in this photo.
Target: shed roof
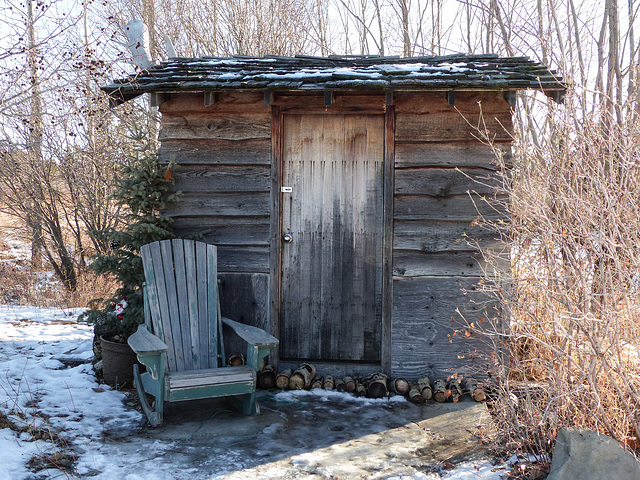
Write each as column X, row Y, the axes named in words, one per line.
column 452, row 72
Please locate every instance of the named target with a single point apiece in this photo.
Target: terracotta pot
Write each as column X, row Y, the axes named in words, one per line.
column 117, row 363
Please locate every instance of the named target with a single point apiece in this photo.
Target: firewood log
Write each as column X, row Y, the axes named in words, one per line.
column 414, row 394
column 267, row 377
column 302, row 377
column 349, row 384
column 377, row 386
column 236, row 360
column 401, row 386
column 424, row 385
column 282, row 380
column 317, row 382
column 440, row 391
column 361, row 390
column 340, row 385
column 456, row 390
column 476, row 389
column 328, row 383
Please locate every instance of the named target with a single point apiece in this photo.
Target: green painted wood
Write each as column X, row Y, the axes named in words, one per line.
column 182, row 301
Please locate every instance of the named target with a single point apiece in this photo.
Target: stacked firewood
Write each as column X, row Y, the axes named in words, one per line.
column 377, row 385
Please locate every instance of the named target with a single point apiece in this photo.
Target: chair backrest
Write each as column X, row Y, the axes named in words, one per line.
column 181, row 295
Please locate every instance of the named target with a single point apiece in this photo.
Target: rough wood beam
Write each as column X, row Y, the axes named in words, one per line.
column 329, row 97
column 210, row 98
column 389, row 97
column 510, row 96
column 269, row 96
column 451, row 97
column 158, row 99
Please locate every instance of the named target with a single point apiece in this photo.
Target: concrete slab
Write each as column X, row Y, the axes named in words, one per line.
column 317, row 435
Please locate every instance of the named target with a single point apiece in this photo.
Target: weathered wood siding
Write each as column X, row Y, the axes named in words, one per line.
column 223, row 158
column 442, row 172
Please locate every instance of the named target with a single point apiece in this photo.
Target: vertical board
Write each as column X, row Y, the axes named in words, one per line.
column 331, row 300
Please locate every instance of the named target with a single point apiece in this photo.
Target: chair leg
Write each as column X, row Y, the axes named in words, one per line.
column 249, row 405
column 155, row 418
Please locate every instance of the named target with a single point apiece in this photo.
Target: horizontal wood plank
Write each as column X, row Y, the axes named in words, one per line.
column 216, row 152
column 465, row 102
column 341, row 103
column 452, row 127
column 223, row 178
column 445, row 182
column 428, row 334
column 468, row 264
column 243, row 259
column 441, row 236
column 222, row 204
column 458, row 207
column 211, row 376
column 225, row 101
column 453, row 154
column 221, row 127
column 224, row 230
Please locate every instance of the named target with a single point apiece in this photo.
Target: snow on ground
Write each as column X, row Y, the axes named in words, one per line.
column 40, row 388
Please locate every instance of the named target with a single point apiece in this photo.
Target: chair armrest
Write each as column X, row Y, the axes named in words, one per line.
column 144, row 342
column 252, row 335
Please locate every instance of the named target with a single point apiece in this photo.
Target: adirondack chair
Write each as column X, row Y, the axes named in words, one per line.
column 181, row 342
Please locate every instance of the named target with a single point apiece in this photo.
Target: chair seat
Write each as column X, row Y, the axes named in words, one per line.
column 211, row 377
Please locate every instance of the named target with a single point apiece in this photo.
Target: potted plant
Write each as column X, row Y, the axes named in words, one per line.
column 143, row 194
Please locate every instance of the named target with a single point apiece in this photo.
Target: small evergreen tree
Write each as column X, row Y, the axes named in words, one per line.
column 143, row 191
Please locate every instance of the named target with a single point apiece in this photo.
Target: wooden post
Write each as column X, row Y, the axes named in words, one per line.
column 456, row 390
column 476, row 389
column 267, row 377
column 401, row 386
column 328, row 383
column 302, row 377
column 440, row 391
column 349, row 384
column 282, row 380
column 424, row 385
column 415, row 395
column 377, row 386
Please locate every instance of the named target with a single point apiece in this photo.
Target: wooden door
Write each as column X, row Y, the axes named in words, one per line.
column 332, row 207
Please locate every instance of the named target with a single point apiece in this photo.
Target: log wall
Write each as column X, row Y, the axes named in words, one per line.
column 223, row 156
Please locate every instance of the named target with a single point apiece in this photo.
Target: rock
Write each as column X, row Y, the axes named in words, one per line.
column 583, row 454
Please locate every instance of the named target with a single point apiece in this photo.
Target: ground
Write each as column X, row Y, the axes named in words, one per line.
column 61, row 423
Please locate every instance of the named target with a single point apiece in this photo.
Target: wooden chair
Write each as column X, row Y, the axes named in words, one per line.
column 181, row 343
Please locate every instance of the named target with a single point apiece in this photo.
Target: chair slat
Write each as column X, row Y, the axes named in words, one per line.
column 182, row 301
column 203, row 310
column 214, row 319
column 192, row 305
column 163, row 319
column 168, row 264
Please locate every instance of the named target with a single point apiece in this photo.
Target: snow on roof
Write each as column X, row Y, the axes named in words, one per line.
column 459, row 72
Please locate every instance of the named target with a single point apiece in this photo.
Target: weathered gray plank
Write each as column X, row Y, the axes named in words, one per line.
column 182, row 301
column 221, row 204
column 224, row 127
column 449, row 154
column 172, row 299
column 216, row 152
column 143, row 341
column 212, row 376
column 222, row 179
column 459, row 207
column 224, row 230
column 448, row 127
column 445, row 182
column 244, row 297
column 213, row 317
column 415, row 264
column 439, row 236
column 243, row 259
column 425, row 320
column 254, row 336
column 229, row 102
column 198, row 361
column 203, row 305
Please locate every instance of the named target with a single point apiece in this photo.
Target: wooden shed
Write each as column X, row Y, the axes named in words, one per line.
column 338, row 193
